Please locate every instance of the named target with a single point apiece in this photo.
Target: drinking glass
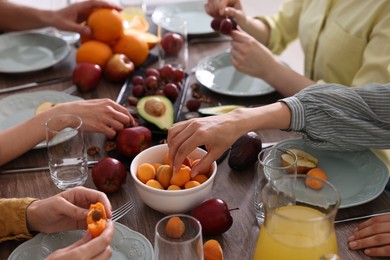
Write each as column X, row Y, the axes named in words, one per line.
column 68, row 162
column 132, row 10
column 173, row 46
column 271, row 166
column 187, row 246
column 299, row 219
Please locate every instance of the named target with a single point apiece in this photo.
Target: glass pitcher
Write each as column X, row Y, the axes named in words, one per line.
column 299, row 220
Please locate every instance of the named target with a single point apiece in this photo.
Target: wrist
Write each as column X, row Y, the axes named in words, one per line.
column 31, row 216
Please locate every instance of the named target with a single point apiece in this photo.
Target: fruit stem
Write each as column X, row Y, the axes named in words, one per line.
column 234, row 209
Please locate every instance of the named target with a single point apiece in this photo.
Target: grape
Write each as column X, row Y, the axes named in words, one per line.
column 166, row 72
column 138, row 90
column 216, row 23
column 193, row 104
column 226, row 26
column 178, row 74
column 171, row 91
column 152, row 72
column 151, row 83
column 137, row 80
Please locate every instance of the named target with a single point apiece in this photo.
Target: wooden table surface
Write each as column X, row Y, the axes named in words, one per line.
column 236, row 188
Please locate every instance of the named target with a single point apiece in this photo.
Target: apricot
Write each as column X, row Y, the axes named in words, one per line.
column 212, row 250
column 206, row 171
column 182, row 176
column 200, row 178
column 186, row 162
column 175, row 227
column 191, row 184
column 154, row 184
column 164, row 175
column 312, row 182
column 156, row 165
column 173, row 187
column 145, row 172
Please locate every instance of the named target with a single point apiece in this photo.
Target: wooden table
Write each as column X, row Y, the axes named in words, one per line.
column 236, row 188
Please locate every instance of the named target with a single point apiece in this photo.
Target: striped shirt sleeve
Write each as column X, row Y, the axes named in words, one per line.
column 335, row 117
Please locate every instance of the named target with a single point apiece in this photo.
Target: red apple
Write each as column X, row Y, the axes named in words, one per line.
column 118, row 68
column 108, row 175
column 86, row 76
column 172, row 43
column 214, row 216
column 131, row 141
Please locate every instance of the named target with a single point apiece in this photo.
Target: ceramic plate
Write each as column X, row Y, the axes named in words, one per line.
column 127, row 244
column 198, row 21
column 219, row 75
column 28, row 51
column 359, row 177
column 16, row 109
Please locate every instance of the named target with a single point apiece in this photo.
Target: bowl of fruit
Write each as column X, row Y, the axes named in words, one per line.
column 169, row 192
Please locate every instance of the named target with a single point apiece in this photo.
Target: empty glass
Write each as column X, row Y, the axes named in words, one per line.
column 271, row 166
column 66, row 151
column 188, row 246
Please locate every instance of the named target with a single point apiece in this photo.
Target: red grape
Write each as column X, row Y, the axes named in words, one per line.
column 152, row 72
column 226, row 26
column 171, row 91
column 137, row 80
column 216, row 23
column 151, row 83
column 138, row 90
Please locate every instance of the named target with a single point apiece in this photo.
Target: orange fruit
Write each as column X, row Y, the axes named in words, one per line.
column 150, row 38
column 134, row 47
column 106, row 24
column 94, row 52
column 313, row 183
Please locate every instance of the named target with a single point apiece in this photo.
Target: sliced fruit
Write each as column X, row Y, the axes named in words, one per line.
column 218, row 110
column 305, row 160
column 150, row 38
column 44, row 106
column 157, row 110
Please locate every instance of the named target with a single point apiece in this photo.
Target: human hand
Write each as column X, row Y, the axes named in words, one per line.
column 217, row 7
column 98, row 115
column 65, row 211
column 251, row 57
column 217, row 133
column 88, row 248
column 71, row 18
column 373, row 236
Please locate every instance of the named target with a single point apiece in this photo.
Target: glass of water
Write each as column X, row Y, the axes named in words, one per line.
column 67, row 155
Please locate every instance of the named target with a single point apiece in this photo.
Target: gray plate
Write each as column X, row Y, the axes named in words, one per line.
column 28, row 51
column 359, row 177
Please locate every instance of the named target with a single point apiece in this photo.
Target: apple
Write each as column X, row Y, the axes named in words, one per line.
column 305, row 161
column 86, row 76
column 109, row 175
column 172, row 43
column 118, row 68
column 214, row 216
column 133, row 140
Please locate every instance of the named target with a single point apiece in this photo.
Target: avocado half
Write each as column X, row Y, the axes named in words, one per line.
column 157, row 110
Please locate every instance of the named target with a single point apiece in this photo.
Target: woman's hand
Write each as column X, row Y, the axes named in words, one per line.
column 217, row 7
column 217, row 133
column 65, row 211
column 98, row 115
column 88, row 248
column 373, row 236
column 71, row 18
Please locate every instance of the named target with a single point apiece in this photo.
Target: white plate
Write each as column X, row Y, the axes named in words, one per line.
column 18, row 108
column 126, row 244
column 198, row 21
column 219, row 75
column 359, row 176
column 28, row 51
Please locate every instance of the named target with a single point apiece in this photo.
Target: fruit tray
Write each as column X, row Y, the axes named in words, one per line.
column 157, row 134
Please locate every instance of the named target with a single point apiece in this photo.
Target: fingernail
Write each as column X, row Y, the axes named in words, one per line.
column 367, row 251
column 356, row 229
column 352, row 244
column 351, row 238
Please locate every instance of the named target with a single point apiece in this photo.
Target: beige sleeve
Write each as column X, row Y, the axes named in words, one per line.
column 13, row 223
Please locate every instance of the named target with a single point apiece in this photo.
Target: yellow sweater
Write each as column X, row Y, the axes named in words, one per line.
column 344, row 41
column 13, row 223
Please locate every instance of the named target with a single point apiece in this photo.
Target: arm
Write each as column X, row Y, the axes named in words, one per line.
column 99, row 115
column 329, row 116
column 68, row 19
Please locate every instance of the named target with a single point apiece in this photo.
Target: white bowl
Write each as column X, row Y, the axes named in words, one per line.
column 170, row 201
